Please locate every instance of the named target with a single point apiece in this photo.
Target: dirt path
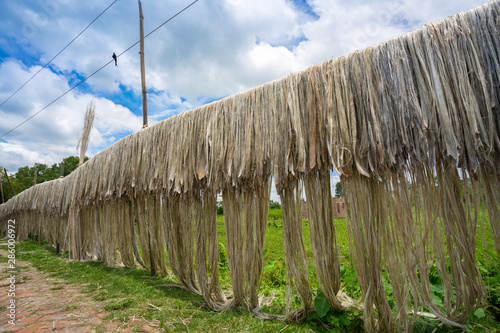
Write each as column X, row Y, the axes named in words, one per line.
column 44, row 304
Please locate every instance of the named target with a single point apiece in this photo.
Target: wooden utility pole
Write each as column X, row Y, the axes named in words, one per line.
column 34, row 177
column 143, row 74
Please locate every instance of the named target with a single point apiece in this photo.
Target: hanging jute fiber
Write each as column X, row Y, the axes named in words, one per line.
column 411, row 126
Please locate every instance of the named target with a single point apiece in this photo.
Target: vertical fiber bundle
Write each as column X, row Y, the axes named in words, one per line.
column 296, row 262
column 246, row 222
column 411, row 125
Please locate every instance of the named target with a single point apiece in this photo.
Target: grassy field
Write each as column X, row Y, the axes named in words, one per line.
column 127, row 292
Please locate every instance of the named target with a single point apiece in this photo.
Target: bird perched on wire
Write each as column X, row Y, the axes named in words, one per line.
column 114, row 58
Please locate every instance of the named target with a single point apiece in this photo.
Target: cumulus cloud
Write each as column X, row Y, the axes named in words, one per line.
column 16, row 153
column 214, row 49
column 53, row 134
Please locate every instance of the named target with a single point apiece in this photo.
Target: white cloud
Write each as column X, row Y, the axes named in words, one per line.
column 53, row 134
column 273, row 22
column 18, row 153
column 275, row 61
column 214, row 49
column 112, row 118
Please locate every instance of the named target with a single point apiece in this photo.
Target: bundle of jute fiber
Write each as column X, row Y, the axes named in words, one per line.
column 411, row 125
column 207, row 250
column 155, row 230
column 323, row 235
column 180, row 219
column 402, row 233
column 88, row 123
column 246, row 221
column 296, row 262
column 444, row 142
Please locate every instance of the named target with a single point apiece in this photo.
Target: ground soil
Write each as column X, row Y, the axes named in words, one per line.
column 44, row 304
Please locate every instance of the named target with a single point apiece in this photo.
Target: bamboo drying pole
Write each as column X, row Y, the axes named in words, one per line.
column 8, row 179
column 61, row 174
column 1, row 188
column 145, row 116
column 143, row 74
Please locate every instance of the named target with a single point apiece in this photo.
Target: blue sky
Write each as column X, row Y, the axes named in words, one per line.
column 215, row 49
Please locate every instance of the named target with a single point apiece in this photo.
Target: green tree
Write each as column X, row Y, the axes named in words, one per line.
column 274, row 204
column 338, row 190
column 10, row 186
column 44, row 173
column 71, row 163
column 23, row 178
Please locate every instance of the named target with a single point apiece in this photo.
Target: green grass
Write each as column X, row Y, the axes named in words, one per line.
column 127, row 292
column 275, row 215
column 57, row 287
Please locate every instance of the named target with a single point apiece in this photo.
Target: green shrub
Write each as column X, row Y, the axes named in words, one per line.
column 222, row 257
column 350, row 320
column 274, row 274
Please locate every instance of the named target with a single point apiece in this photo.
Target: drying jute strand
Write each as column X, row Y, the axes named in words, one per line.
column 412, row 126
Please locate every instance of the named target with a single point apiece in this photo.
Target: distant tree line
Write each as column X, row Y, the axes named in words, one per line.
column 272, row 205
column 24, row 177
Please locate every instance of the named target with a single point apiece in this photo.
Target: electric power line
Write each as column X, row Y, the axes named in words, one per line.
column 64, row 48
column 95, row 72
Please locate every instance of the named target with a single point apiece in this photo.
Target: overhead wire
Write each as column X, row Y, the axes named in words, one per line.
column 64, row 48
column 98, row 70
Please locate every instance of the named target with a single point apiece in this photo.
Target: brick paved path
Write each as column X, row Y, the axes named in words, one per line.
column 44, row 304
